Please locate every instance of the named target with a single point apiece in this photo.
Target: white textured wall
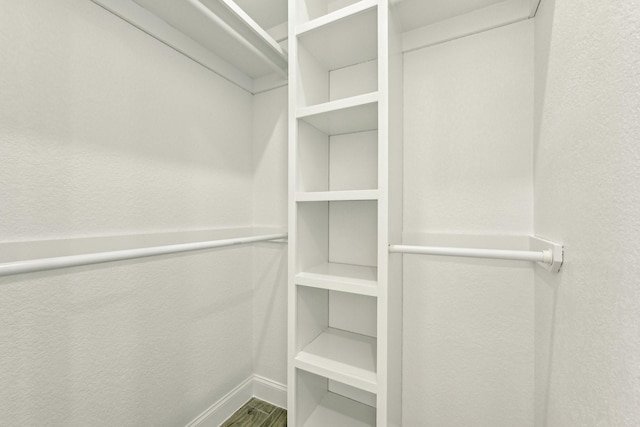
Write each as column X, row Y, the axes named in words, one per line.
column 587, row 195
column 270, row 210
column 468, row 325
column 104, row 130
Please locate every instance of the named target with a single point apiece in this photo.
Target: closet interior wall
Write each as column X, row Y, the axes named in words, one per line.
column 104, row 131
column 468, row 182
column 587, row 186
column 270, row 211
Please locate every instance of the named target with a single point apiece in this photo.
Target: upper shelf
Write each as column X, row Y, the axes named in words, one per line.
column 224, row 28
column 335, row 16
column 345, row 37
column 354, row 114
column 218, row 34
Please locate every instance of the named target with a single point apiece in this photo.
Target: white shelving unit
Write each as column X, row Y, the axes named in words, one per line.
column 345, row 124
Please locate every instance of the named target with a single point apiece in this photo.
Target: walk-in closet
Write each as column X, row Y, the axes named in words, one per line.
column 319, row 213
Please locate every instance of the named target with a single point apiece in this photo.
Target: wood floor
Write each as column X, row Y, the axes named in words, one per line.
column 257, row 413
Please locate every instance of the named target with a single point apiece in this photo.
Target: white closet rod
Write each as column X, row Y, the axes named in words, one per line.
column 543, row 256
column 42, row 264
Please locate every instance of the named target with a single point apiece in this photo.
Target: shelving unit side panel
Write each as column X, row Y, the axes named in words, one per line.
column 313, row 79
column 395, row 179
column 383, row 213
column 313, row 159
column 293, row 416
column 312, row 234
column 313, row 315
column 312, row 390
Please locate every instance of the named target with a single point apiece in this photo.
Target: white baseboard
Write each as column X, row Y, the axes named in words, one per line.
column 254, row 386
column 270, row 391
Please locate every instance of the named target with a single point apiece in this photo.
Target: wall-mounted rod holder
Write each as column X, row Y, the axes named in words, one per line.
column 42, row 264
column 545, row 253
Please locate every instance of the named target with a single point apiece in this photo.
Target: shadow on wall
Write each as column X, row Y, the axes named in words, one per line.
column 586, row 196
column 270, row 281
column 545, row 284
column 270, row 122
column 137, row 332
column 542, row 52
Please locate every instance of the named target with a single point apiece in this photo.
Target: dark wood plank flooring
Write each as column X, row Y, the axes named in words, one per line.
column 257, row 413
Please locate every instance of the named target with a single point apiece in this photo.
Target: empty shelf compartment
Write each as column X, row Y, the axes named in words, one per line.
column 341, row 164
column 337, row 411
column 343, row 356
column 345, row 37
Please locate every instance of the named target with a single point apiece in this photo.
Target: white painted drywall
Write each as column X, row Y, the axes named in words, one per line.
column 103, row 131
column 468, row 325
column 587, row 195
column 270, row 210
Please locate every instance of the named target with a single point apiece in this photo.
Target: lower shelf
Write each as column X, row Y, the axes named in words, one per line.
column 338, row 411
column 342, row 356
column 354, row 279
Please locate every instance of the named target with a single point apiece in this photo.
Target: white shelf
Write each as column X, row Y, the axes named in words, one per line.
column 338, row 411
column 257, row 36
column 215, row 33
column 355, row 279
column 336, row 16
column 342, row 38
column 342, row 356
column 354, row 114
column 335, row 196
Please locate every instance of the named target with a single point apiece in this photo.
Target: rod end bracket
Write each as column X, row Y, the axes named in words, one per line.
column 553, row 253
